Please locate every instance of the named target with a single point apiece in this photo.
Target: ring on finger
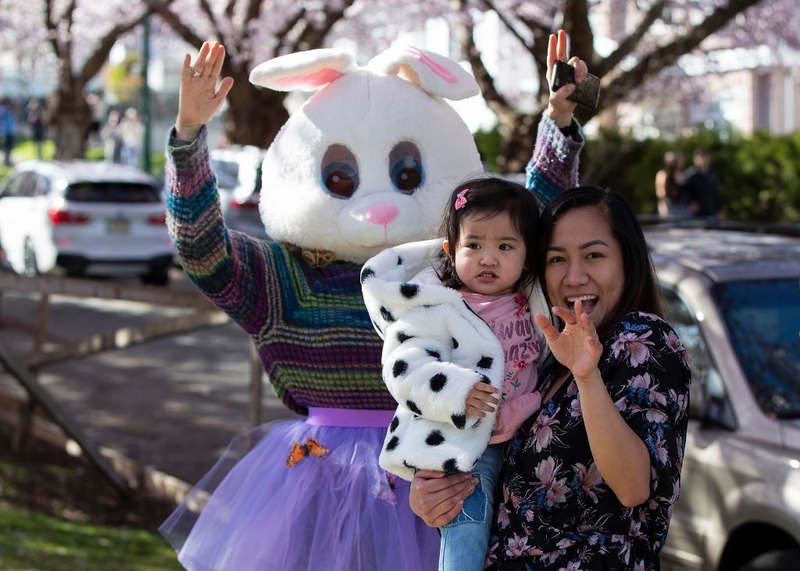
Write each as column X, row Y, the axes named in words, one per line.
column 194, row 73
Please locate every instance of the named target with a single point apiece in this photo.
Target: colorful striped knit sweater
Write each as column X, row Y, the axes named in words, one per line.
column 310, row 326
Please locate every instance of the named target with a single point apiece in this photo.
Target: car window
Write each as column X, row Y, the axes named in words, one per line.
column 763, row 321
column 707, row 398
column 111, row 192
column 22, row 185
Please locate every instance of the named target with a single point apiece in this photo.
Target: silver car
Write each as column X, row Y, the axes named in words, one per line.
column 85, row 217
column 734, row 299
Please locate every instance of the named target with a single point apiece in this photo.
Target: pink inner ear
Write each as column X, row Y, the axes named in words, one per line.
column 435, row 67
column 316, row 79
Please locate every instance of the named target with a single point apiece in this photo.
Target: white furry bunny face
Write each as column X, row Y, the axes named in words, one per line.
column 368, row 161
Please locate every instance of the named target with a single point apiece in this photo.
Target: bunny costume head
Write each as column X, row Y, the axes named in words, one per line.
column 369, row 160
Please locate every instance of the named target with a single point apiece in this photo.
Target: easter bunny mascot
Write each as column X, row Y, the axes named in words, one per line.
column 365, row 163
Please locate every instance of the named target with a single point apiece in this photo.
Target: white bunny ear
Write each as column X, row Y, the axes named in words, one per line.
column 304, row 71
column 435, row 74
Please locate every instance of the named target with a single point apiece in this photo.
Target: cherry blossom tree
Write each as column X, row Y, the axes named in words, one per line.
column 648, row 38
column 252, row 31
column 80, row 34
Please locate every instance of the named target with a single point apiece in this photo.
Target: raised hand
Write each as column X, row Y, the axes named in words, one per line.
column 577, row 346
column 200, row 98
column 560, row 108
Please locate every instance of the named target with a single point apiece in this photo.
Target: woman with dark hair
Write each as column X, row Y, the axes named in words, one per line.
column 669, row 186
column 589, row 482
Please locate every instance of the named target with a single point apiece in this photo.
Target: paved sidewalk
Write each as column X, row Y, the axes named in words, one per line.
column 173, row 403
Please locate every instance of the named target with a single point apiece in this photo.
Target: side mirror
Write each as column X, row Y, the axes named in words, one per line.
column 708, row 401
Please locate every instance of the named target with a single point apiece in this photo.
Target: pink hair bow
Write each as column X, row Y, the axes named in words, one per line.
column 461, row 199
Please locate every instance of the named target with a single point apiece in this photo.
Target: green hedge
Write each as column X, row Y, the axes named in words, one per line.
column 759, row 176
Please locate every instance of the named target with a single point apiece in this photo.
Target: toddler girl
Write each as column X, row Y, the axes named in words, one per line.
column 460, row 347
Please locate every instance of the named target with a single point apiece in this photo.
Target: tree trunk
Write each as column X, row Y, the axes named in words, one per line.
column 518, row 142
column 255, row 114
column 70, row 118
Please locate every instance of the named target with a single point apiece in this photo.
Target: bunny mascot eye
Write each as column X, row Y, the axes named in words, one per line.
column 339, row 172
column 407, row 173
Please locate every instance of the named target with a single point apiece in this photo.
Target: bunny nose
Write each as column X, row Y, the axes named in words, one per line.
column 382, row 214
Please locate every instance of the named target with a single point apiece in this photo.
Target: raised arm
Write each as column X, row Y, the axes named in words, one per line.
column 554, row 165
column 216, row 260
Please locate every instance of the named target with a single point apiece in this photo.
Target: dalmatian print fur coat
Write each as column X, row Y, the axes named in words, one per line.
column 435, row 349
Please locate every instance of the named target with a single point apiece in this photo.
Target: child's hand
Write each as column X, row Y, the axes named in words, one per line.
column 560, row 108
column 480, row 399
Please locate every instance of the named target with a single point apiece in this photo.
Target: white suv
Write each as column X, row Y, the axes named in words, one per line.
column 86, row 217
column 734, row 300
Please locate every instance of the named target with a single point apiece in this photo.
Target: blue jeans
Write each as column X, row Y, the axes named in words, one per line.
column 465, row 540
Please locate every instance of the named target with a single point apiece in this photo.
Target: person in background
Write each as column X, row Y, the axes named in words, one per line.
column 131, row 130
column 701, row 187
column 8, row 128
column 669, row 187
column 36, row 124
column 112, row 138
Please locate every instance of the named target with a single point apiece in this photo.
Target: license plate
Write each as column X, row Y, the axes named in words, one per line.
column 118, row 225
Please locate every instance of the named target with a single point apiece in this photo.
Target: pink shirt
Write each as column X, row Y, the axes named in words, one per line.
column 510, row 319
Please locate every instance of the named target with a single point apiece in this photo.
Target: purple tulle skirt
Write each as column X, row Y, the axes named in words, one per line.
column 292, row 495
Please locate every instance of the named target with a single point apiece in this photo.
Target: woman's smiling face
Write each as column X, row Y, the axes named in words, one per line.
column 584, row 262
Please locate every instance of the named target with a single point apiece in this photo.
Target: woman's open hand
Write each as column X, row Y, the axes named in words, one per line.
column 437, row 498
column 560, row 108
column 200, row 98
column 577, row 346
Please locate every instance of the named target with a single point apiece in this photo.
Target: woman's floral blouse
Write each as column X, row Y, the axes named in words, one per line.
column 555, row 511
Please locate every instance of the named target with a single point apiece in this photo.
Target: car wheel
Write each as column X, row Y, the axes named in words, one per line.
column 778, row 560
column 158, row 277
column 30, row 269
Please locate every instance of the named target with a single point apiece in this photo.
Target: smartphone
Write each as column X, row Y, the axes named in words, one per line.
column 587, row 92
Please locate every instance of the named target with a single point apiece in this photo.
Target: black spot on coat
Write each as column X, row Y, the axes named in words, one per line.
column 399, row 368
column 434, row 438
column 412, row 406
column 409, row 290
column 438, row 381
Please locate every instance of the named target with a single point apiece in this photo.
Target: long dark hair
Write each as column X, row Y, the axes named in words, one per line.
column 673, row 163
column 488, row 196
column 640, row 290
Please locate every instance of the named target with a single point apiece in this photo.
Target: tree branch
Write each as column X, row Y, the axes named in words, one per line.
column 230, row 8
column 496, row 102
column 311, row 38
column 173, row 21
column 630, row 43
column 281, row 35
column 212, row 18
column 100, row 55
column 668, row 55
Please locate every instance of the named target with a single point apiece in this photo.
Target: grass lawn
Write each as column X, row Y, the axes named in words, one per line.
column 58, row 513
column 34, row 541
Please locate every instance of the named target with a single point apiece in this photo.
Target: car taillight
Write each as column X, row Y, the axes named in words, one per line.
column 64, row 217
column 250, row 204
column 157, row 219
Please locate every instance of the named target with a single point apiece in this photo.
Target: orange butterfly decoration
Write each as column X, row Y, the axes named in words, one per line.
column 298, row 451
